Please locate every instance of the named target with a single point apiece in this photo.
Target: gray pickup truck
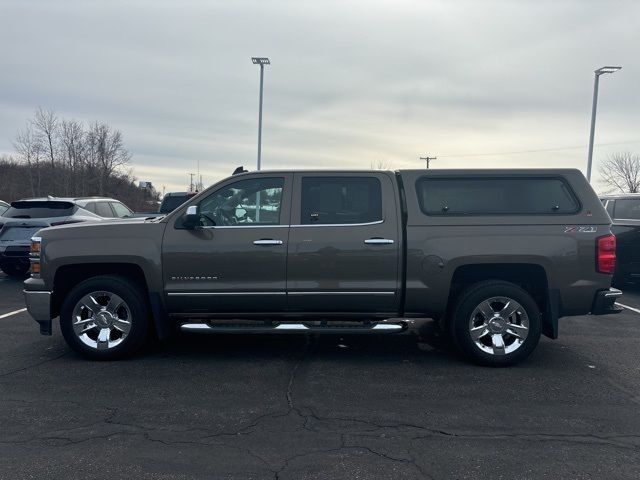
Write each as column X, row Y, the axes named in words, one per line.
column 495, row 256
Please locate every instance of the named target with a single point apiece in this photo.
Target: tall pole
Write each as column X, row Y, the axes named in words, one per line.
column 260, row 116
column 594, row 107
column 428, row 160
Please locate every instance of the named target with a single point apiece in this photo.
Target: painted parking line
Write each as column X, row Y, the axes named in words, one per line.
column 628, row 307
column 15, row 312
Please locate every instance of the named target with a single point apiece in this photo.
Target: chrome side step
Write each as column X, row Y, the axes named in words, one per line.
column 292, row 328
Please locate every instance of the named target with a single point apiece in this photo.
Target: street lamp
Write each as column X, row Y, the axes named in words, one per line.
column 262, row 61
column 598, row 72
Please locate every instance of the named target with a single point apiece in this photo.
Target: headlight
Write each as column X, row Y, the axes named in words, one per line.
column 34, row 256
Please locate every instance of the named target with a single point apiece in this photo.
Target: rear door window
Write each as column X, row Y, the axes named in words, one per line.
column 495, row 196
column 40, row 209
column 91, row 207
column 104, row 210
column 627, row 208
column 340, row 200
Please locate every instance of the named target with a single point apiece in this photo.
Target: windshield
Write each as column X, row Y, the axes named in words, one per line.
column 40, row 209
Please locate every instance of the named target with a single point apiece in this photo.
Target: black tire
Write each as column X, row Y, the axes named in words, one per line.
column 461, row 320
column 134, row 298
column 15, row 269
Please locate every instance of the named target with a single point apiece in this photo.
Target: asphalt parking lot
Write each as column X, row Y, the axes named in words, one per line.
column 320, row 407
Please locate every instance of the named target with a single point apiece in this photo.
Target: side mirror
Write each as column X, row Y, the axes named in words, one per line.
column 191, row 219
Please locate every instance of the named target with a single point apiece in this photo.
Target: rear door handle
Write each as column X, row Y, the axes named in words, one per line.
column 378, row 241
column 267, row 241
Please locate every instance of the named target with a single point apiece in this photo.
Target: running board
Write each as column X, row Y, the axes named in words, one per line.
column 292, row 328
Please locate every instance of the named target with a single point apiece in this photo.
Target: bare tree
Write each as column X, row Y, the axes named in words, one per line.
column 57, row 156
column 106, row 151
column 622, row 171
column 381, row 164
column 73, row 151
column 45, row 123
column 30, row 150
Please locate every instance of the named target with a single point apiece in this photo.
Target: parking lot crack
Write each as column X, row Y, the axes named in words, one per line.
column 34, row 365
column 305, row 353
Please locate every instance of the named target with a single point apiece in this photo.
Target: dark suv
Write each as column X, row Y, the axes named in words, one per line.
column 624, row 210
column 25, row 217
column 173, row 200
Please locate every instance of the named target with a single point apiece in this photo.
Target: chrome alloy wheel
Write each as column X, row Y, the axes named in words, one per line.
column 101, row 320
column 499, row 325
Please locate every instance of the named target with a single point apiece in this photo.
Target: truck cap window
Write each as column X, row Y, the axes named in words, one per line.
column 628, row 208
column 495, row 196
column 255, row 201
column 340, row 200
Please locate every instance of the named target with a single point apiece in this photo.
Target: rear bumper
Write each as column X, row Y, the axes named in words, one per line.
column 14, row 253
column 604, row 302
column 39, row 307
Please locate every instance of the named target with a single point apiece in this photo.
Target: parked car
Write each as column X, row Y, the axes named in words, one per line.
column 173, row 200
column 25, row 217
column 624, row 210
column 3, row 207
column 497, row 256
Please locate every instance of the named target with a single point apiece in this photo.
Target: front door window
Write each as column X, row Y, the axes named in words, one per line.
column 255, row 201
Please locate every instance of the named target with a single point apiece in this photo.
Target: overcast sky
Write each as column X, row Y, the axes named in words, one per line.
column 351, row 82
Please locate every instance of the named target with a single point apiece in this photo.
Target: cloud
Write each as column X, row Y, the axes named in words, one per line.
column 350, row 82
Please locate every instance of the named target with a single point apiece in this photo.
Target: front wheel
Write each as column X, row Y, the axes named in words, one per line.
column 496, row 323
column 105, row 318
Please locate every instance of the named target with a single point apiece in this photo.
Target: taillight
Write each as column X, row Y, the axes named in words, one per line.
column 606, row 254
column 65, row 222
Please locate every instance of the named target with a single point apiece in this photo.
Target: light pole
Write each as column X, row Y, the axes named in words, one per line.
column 262, row 61
column 596, row 82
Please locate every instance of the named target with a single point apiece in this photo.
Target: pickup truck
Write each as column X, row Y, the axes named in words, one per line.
column 495, row 256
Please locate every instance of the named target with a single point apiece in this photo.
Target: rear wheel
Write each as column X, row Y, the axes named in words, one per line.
column 496, row 323
column 105, row 318
column 17, row 269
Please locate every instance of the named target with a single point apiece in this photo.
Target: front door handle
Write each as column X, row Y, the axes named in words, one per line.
column 378, row 241
column 267, row 241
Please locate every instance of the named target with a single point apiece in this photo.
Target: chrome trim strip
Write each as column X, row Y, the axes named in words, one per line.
column 387, row 326
column 377, row 222
column 291, row 326
column 613, row 293
column 195, row 327
column 246, row 225
column 341, row 293
column 207, row 227
column 183, row 294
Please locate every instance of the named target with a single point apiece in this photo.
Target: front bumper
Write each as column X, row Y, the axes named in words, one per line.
column 604, row 302
column 39, row 307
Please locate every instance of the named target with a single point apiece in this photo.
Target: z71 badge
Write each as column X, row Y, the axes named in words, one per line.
column 582, row 229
